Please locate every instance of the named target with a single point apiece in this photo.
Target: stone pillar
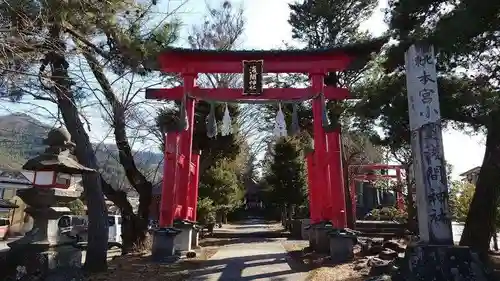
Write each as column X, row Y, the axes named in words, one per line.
column 434, row 217
column 46, row 246
column 435, row 257
column 195, row 238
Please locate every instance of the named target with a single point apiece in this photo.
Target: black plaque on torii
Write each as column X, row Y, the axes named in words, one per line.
column 252, row 77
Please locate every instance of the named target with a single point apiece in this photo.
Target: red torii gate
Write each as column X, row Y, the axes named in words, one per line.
column 326, row 191
column 400, row 203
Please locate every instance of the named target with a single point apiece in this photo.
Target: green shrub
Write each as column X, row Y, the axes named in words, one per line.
column 77, row 207
column 206, row 211
column 388, row 214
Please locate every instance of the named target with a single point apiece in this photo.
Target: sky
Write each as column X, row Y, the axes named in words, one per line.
column 267, row 28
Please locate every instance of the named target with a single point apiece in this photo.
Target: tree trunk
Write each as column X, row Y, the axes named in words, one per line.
column 283, row 215
column 479, row 224
column 98, row 223
column 291, row 211
column 129, row 219
column 137, row 225
column 495, row 241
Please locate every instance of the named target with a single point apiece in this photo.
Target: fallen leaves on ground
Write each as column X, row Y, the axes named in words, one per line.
column 342, row 272
column 141, row 268
column 319, row 265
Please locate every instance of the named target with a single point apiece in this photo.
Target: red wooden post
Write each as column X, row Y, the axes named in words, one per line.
column 169, row 184
column 313, row 206
column 399, row 193
column 178, row 197
column 320, row 172
column 352, row 189
column 337, row 178
column 186, row 146
column 195, row 183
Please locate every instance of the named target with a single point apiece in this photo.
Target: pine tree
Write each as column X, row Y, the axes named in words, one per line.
column 41, row 40
column 286, row 175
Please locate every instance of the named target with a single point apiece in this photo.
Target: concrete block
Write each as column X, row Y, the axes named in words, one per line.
column 163, row 249
column 341, row 248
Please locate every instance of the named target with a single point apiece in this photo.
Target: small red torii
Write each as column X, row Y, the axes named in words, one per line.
column 400, row 203
column 325, row 177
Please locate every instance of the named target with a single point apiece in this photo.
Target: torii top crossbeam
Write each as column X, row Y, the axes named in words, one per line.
column 190, row 62
column 276, row 61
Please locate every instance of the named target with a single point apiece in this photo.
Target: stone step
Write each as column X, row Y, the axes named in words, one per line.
column 380, row 230
column 381, row 235
column 379, row 224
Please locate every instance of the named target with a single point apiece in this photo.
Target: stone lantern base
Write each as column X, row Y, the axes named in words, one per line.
column 39, row 259
column 46, row 246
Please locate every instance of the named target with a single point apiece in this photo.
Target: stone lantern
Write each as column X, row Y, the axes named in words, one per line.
column 46, row 246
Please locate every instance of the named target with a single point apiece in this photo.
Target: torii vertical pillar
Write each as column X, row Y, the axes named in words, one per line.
column 169, row 183
column 400, row 201
column 186, row 146
column 321, row 174
column 313, row 194
column 336, row 179
column 195, row 184
column 193, row 196
column 183, row 241
column 320, row 240
column 163, row 248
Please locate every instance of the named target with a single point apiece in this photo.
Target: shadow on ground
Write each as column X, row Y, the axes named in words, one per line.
column 135, row 268
column 220, row 238
column 238, row 265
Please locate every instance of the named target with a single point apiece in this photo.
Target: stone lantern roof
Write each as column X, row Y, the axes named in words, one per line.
column 57, row 156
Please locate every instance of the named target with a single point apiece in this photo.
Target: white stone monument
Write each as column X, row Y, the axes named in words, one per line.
column 434, row 218
column 434, row 257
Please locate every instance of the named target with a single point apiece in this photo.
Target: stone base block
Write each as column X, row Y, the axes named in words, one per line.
column 195, row 238
column 163, row 249
column 341, row 248
column 305, row 229
column 322, row 240
column 443, row 263
column 184, row 240
column 312, row 238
